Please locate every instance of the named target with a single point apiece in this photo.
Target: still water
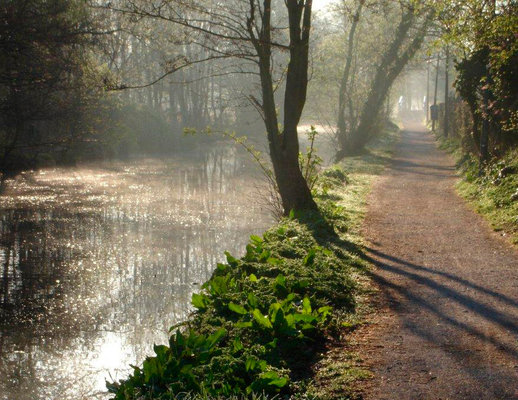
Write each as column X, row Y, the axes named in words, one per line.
column 97, row 262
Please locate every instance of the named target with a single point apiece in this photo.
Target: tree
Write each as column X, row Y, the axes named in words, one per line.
column 284, row 144
column 399, row 52
column 46, row 77
column 254, row 32
column 483, row 35
column 343, row 97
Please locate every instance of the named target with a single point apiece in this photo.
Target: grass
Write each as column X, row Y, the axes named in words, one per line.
column 339, row 372
column 272, row 323
column 491, row 191
column 362, row 171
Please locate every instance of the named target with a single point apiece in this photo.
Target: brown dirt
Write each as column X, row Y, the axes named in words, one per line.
column 446, row 325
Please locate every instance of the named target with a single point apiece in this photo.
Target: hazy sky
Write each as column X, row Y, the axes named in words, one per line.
column 318, row 4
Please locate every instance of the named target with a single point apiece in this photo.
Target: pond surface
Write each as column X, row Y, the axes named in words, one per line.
column 97, row 262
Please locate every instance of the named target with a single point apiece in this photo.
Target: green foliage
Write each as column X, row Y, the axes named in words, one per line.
column 172, row 367
column 336, row 173
column 488, row 70
column 492, row 188
column 50, row 81
column 330, row 178
column 493, row 191
column 309, row 161
column 259, row 319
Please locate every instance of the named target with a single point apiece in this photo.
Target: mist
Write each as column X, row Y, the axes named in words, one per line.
column 140, row 141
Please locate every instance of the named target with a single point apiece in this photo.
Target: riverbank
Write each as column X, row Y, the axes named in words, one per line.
column 491, row 191
column 270, row 321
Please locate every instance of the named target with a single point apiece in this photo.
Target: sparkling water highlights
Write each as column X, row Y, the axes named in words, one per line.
column 97, row 262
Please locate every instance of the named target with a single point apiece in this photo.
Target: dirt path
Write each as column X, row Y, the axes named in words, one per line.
column 448, row 323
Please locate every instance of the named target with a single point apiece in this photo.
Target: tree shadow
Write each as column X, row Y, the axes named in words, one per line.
column 499, row 296
column 407, row 270
column 325, row 235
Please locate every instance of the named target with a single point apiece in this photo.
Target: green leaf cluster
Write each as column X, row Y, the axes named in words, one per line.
column 257, row 323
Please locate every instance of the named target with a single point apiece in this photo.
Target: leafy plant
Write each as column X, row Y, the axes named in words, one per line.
column 336, row 173
column 257, row 320
column 172, row 369
column 310, row 163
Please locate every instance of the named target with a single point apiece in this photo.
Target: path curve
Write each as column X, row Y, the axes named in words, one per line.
column 447, row 327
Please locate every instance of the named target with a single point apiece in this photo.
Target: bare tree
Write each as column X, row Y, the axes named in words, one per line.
column 257, row 33
column 284, row 144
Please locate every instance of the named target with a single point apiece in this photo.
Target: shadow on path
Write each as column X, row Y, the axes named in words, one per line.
column 485, row 311
column 448, row 324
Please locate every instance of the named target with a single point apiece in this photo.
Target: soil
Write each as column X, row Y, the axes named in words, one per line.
column 446, row 325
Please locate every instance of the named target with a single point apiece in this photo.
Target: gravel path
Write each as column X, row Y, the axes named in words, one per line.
column 447, row 324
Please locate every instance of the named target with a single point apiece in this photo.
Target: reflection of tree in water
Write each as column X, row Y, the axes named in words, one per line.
column 99, row 268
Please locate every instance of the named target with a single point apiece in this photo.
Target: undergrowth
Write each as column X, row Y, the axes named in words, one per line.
column 260, row 320
column 492, row 190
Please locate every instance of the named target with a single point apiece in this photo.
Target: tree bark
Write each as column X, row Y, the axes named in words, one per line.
column 484, row 133
column 284, row 146
column 446, row 90
column 342, row 95
column 427, row 102
column 435, row 89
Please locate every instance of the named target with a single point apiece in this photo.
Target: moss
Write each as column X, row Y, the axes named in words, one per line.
column 339, row 379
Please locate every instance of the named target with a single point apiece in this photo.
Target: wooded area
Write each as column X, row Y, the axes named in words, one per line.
column 193, row 65
column 102, row 80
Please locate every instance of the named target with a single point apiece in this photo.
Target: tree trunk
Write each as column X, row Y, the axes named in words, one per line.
column 342, row 96
column 392, row 63
column 435, row 89
column 293, row 188
column 427, row 100
column 484, row 134
column 284, row 146
column 446, row 92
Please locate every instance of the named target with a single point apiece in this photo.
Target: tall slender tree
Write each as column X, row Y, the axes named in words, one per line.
column 341, row 122
column 407, row 40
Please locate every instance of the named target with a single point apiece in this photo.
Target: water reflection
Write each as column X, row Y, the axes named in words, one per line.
column 98, row 262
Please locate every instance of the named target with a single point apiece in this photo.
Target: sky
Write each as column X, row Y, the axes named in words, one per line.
column 319, row 4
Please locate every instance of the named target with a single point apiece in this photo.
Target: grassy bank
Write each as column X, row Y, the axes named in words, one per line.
column 339, row 372
column 493, row 190
column 268, row 323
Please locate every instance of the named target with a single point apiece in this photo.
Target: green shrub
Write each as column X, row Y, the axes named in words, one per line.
column 336, row 173
column 492, row 188
column 257, row 321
